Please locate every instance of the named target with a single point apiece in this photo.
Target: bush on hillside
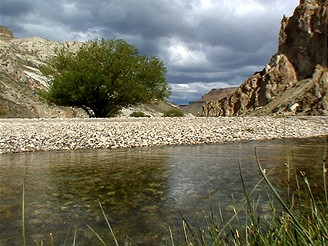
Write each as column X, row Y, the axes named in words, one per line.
column 139, row 114
column 173, row 113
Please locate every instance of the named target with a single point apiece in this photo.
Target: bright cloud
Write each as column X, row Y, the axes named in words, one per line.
column 200, row 41
column 183, row 93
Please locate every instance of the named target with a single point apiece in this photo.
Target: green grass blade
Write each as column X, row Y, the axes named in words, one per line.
column 74, row 240
column 171, row 236
column 108, row 224
column 186, row 237
column 51, row 238
column 237, row 211
column 247, row 196
column 97, row 235
column 188, row 228
column 67, row 235
column 23, row 208
column 301, row 230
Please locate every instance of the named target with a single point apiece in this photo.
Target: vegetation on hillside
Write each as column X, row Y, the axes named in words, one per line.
column 138, row 114
column 104, row 76
column 173, row 113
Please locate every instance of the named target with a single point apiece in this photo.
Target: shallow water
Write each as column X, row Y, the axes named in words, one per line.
column 142, row 190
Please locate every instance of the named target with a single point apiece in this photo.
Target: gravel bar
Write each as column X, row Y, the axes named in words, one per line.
column 27, row 135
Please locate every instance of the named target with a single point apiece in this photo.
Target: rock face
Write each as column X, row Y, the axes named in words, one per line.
column 296, row 79
column 21, row 79
column 196, row 107
column 5, row 32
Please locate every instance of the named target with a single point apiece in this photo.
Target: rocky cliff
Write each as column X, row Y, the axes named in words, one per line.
column 21, row 79
column 5, row 32
column 196, row 107
column 296, row 79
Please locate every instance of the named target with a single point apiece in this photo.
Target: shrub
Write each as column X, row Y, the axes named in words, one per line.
column 96, row 78
column 2, row 113
column 173, row 113
column 139, row 114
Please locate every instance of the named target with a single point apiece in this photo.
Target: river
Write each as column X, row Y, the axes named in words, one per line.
column 143, row 191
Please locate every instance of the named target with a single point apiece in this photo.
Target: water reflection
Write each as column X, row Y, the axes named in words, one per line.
column 300, row 156
column 141, row 189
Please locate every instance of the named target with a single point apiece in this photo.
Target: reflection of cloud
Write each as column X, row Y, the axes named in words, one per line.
column 196, row 171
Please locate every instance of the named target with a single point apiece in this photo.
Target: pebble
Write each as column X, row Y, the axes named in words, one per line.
column 27, row 135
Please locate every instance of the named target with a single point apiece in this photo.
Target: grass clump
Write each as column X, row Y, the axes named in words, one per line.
column 173, row 113
column 299, row 219
column 2, row 114
column 139, row 114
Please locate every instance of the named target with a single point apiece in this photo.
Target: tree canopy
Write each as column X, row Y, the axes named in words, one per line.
column 103, row 76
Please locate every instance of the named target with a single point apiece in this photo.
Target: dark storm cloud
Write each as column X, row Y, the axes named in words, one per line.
column 15, row 8
column 202, row 42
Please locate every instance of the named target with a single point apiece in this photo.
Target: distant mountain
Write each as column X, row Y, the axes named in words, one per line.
column 21, row 79
column 296, row 79
column 216, row 94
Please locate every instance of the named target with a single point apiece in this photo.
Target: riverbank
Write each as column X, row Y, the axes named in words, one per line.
column 27, row 135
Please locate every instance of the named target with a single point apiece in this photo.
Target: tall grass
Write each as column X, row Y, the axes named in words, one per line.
column 109, row 227
column 296, row 220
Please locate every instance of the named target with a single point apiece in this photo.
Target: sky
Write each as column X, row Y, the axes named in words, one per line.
column 204, row 44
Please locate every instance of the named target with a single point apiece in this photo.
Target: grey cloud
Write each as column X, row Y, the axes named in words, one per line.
column 222, row 42
column 14, row 8
column 149, row 20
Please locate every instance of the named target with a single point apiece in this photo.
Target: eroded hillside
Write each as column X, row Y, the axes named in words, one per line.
column 21, row 79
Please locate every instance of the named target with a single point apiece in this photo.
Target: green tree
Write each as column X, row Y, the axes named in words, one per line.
column 103, row 76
